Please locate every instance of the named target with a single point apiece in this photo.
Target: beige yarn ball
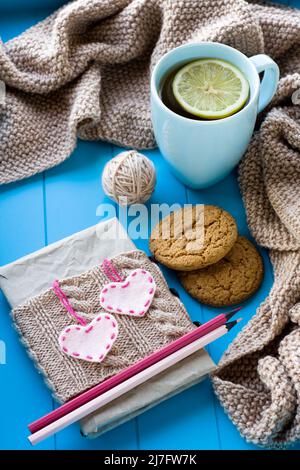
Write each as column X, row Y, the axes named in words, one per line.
column 129, row 178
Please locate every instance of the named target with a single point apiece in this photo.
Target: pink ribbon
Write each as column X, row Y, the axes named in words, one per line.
column 111, row 272
column 64, row 301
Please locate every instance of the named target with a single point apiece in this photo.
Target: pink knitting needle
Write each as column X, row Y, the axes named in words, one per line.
column 132, row 370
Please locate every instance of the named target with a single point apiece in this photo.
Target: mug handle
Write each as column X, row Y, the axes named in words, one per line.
column 268, row 86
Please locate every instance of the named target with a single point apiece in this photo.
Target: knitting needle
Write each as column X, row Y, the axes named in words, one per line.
column 108, row 384
column 129, row 384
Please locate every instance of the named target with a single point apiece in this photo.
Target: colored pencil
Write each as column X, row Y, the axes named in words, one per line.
column 130, row 371
column 128, row 384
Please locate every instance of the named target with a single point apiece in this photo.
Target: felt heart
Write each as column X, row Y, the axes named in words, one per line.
column 91, row 342
column 130, row 297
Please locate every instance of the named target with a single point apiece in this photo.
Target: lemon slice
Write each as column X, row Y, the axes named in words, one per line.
column 210, row 88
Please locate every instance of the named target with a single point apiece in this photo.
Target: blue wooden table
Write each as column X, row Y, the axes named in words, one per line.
column 59, row 202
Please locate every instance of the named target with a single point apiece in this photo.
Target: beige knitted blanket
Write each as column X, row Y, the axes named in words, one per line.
column 85, row 70
column 258, row 379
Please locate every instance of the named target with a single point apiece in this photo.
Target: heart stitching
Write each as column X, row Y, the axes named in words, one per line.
column 133, row 296
column 91, row 342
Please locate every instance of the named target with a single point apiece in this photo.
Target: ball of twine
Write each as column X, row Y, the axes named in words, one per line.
column 129, row 178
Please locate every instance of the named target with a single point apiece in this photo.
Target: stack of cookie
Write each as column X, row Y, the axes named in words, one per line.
column 215, row 265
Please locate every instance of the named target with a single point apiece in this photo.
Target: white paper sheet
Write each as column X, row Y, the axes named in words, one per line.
column 71, row 256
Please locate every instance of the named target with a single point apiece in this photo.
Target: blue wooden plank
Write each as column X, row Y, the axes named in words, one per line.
column 22, row 231
column 294, row 3
column 22, row 215
column 23, row 7
column 12, row 24
column 186, row 421
column 73, row 192
column 23, row 394
column 21, row 209
column 226, row 194
column 161, row 427
column 71, row 195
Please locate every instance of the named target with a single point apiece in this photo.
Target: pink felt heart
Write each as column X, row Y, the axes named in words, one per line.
column 91, row 342
column 130, row 297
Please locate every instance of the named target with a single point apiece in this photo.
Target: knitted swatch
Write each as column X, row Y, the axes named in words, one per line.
column 85, row 70
column 41, row 319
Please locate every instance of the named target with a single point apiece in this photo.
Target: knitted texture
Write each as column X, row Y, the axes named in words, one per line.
column 85, row 70
column 43, row 317
column 258, row 379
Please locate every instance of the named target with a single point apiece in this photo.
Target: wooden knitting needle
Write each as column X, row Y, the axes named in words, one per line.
column 129, row 384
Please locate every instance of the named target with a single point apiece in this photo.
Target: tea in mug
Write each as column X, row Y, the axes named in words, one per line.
column 205, row 89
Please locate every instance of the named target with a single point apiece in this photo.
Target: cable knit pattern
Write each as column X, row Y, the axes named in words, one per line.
column 42, row 318
column 85, row 70
column 258, row 379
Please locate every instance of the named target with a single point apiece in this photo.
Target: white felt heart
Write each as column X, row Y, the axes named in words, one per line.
column 130, row 297
column 91, row 342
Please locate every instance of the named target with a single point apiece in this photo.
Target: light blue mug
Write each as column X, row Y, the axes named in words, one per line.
column 201, row 153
